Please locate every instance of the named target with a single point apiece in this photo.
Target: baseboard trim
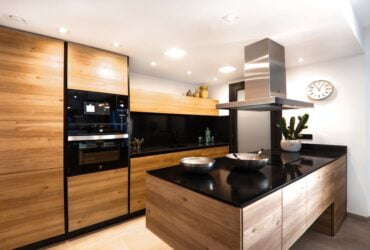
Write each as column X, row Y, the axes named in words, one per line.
column 359, row 217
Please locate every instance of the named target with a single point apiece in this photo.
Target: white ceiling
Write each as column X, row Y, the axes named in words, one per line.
column 362, row 10
column 315, row 30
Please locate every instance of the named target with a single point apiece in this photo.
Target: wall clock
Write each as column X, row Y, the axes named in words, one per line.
column 319, row 90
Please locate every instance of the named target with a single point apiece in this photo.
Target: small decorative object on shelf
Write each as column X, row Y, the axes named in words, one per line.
column 136, row 144
column 203, row 91
column 197, row 94
column 291, row 141
column 200, row 139
column 189, row 93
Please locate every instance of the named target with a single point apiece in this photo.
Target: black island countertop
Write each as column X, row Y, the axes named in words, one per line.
column 241, row 188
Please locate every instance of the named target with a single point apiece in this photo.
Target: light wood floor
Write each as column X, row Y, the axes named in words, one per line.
column 353, row 235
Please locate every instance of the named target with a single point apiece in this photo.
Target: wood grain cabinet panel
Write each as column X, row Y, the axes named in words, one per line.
column 31, row 106
column 294, row 212
column 188, row 220
column 31, row 207
column 96, row 197
column 314, row 196
column 140, row 165
column 156, row 102
column 262, row 222
column 97, row 70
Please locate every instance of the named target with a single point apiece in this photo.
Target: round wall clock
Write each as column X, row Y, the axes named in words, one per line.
column 319, row 90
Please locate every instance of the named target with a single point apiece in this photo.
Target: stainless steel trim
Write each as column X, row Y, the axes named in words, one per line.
column 97, row 137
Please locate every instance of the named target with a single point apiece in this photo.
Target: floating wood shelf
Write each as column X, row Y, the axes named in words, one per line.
column 157, row 102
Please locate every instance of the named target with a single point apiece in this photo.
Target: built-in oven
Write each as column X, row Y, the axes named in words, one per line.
column 93, row 153
column 97, row 132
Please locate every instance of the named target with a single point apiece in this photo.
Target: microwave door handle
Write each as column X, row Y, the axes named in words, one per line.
column 97, row 137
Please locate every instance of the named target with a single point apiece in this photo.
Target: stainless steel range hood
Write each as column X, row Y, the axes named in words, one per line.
column 265, row 80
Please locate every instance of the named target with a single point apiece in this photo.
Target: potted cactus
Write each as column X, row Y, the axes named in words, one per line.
column 292, row 135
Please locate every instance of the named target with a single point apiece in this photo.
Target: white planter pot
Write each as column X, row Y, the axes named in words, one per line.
column 291, row 145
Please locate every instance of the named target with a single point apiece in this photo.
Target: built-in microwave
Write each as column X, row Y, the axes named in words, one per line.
column 96, row 113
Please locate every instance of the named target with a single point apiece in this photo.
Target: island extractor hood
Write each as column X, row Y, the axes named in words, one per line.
column 265, row 80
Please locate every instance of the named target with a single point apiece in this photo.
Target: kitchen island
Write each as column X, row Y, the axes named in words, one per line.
column 267, row 209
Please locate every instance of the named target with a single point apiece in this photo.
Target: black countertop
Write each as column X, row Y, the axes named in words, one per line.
column 241, row 188
column 145, row 151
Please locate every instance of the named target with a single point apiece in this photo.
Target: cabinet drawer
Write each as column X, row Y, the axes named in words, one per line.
column 96, row 197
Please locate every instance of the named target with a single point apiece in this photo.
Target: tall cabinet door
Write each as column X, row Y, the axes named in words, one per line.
column 97, row 70
column 31, row 138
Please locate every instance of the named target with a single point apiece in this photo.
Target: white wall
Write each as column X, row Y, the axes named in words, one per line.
column 140, row 81
column 367, row 56
column 339, row 120
column 221, row 93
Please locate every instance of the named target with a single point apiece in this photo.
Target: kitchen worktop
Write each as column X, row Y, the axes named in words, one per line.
column 154, row 150
column 241, row 188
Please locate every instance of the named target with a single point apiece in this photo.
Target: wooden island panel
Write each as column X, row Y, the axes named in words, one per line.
column 97, row 70
column 262, row 223
column 140, row 165
column 96, row 197
column 294, row 212
column 188, row 220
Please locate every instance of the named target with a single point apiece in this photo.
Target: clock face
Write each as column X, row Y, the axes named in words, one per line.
column 319, row 90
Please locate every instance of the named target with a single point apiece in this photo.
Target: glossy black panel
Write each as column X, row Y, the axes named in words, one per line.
column 177, row 131
column 239, row 187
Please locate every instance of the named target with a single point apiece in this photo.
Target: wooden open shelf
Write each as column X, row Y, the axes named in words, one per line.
column 157, row 102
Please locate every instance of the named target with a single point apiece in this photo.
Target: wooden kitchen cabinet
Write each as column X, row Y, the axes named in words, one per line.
column 31, row 207
column 96, row 197
column 294, row 212
column 140, row 165
column 156, row 102
column 31, row 106
column 262, row 222
column 96, row 70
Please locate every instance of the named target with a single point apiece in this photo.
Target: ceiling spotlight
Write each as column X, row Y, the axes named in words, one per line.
column 215, row 79
column 18, row 19
column 175, row 53
column 227, row 69
column 153, row 63
column 116, row 44
column 63, row 30
column 189, row 72
column 300, row 59
column 231, row 18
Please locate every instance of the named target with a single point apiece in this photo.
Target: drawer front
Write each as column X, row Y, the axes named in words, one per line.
column 96, row 197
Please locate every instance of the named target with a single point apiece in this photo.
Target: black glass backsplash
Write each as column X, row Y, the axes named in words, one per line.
column 177, row 130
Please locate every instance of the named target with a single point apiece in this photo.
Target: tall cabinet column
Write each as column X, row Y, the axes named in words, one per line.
column 31, row 138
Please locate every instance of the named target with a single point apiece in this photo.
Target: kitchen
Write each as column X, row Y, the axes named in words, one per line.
column 94, row 126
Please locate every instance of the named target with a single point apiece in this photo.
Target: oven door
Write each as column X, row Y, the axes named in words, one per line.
column 88, row 154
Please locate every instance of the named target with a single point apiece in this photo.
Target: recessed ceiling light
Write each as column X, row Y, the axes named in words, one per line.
column 215, row 79
column 231, row 17
column 63, row 30
column 300, row 59
column 153, row 63
column 227, row 69
column 175, row 53
column 116, row 44
column 17, row 18
column 189, row 72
